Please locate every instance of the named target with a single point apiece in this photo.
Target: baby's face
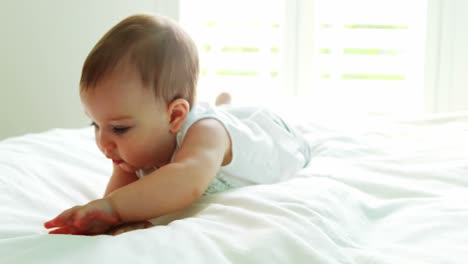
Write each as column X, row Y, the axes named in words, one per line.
column 131, row 126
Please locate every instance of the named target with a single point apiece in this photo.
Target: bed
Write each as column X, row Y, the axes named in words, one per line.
column 376, row 190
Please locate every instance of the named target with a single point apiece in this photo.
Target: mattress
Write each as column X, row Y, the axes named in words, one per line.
column 376, row 190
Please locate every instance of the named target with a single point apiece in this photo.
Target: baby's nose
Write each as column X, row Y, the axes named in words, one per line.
column 105, row 143
column 108, row 150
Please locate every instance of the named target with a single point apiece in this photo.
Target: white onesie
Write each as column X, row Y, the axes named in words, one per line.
column 264, row 148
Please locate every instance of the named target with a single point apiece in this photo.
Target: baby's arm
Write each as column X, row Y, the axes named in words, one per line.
column 177, row 185
column 172, row 187
column 118, row 179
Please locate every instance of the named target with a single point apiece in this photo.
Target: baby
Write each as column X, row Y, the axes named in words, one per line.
column 138, row 87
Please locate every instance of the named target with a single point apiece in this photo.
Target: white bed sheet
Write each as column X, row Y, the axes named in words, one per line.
column 374, row 192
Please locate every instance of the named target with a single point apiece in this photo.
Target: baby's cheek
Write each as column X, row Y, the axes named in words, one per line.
column 143, row 156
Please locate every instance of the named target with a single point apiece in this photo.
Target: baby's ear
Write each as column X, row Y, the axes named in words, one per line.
column 178, row 111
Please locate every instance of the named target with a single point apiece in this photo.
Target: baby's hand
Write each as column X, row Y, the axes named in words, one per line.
column 96, row 217
column 127, row 227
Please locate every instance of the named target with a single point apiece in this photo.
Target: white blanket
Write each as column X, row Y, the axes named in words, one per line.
column 374, row 192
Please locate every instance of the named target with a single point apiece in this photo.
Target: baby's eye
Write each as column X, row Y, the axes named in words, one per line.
column 119, row 130
column 94, row 125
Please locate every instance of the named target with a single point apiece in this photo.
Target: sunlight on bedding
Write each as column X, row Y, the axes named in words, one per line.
column 377, row 191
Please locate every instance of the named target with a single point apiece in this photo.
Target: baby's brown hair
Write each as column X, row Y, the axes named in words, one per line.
column 163, row 53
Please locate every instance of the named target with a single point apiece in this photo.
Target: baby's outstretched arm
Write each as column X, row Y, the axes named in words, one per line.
column 170, row 188
column 176, row 185
column 97, row 216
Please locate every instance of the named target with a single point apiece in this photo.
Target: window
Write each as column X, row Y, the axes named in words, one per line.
column 360, row 54
column 240, row 44
column 367, row 54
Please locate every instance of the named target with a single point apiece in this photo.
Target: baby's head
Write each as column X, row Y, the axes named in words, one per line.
column 161, row 52
column 137, row 86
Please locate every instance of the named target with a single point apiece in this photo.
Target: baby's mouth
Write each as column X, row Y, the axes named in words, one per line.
column 124, row 166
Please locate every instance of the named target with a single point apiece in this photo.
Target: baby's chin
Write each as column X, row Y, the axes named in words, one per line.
column 127, row 168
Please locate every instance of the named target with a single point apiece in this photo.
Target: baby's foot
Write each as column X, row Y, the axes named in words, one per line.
column 223, row 98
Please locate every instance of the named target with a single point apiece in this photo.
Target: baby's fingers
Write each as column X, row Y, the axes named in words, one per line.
column 65, row 218
column 65, row 230
column 51, row 224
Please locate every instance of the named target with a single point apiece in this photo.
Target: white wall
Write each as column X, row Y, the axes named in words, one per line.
column 457, row 49
column 447, row 56
column 42, row 48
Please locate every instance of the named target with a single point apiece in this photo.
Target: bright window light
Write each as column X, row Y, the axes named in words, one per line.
column 240, row 44
column 369, row 54
column 362, row 54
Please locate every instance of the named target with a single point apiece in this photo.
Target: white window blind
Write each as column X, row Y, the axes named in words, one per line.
column 240, row 44
column 368, row 54
column 348, row 54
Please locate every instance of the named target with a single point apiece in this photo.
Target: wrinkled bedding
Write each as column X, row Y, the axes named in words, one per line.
column 375, row 191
